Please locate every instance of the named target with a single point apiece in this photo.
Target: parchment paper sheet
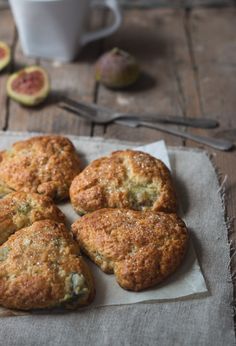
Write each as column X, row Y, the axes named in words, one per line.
column 188, row 280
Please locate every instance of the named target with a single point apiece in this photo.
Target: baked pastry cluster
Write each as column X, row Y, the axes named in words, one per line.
column 40, row 263
column 131, row 227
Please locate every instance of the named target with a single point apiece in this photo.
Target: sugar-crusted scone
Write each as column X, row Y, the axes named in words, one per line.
column 22, row 209
column 44, row 164
column 141, row 248
column 125, row 179
column 41, row 267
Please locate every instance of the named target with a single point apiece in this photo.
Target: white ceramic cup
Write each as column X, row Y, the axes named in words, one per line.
column 56, row 29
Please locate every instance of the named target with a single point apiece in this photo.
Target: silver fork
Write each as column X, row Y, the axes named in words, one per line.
column 100, row 115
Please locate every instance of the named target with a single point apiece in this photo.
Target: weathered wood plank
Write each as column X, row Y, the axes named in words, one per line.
column 7, row 31
column 213, row 49
column 213, row 35
column 72, row 79
column 173, row 3
column 157, row 39
column 195, row 3
column 151, row 3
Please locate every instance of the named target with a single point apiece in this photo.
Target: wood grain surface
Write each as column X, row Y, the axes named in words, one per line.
column 188, row 60
column 173, row 3
column 213, row 50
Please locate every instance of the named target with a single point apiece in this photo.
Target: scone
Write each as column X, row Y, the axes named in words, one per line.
column 41, row 267
column 140, row 248
column 21, row 209
column 44, row 164
column 125, row 179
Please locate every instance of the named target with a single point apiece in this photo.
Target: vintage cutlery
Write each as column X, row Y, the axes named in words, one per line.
column 97, row 115
column 104, row 115
column 216, row 143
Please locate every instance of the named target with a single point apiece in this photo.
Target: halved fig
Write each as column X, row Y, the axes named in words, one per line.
column 5, row 55
column 29, row 86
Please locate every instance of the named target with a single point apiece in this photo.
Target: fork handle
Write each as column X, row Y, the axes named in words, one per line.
column 216, row 143
column 203, row 123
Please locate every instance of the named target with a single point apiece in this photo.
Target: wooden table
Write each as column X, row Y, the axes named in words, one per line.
column 188, row 58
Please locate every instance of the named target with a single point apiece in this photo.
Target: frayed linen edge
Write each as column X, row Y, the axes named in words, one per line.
column 228, row 222
column 222, row 180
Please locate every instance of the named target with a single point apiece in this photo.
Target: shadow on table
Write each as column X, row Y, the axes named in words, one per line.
column 145, row 82
column 182, row 195
column 229, row 134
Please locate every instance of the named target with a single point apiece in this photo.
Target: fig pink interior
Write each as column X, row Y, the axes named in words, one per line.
column 2, row 53
column 28, row 82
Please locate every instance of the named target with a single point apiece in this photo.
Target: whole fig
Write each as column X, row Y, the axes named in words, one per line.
column 5, row 55
column 116, row 69
column 29, row 86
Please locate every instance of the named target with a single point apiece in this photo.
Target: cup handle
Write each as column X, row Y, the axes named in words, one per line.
column 114, row 7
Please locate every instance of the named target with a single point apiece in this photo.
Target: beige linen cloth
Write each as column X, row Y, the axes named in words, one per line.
column 203, row 320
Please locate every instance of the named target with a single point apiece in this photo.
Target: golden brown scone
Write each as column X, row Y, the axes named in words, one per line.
column 21, row 209
column 41, row 267
column 44, row 164
column 141, row 248
column 125, row 179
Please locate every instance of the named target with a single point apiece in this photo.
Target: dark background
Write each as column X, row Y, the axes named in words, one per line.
column 165, row 3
